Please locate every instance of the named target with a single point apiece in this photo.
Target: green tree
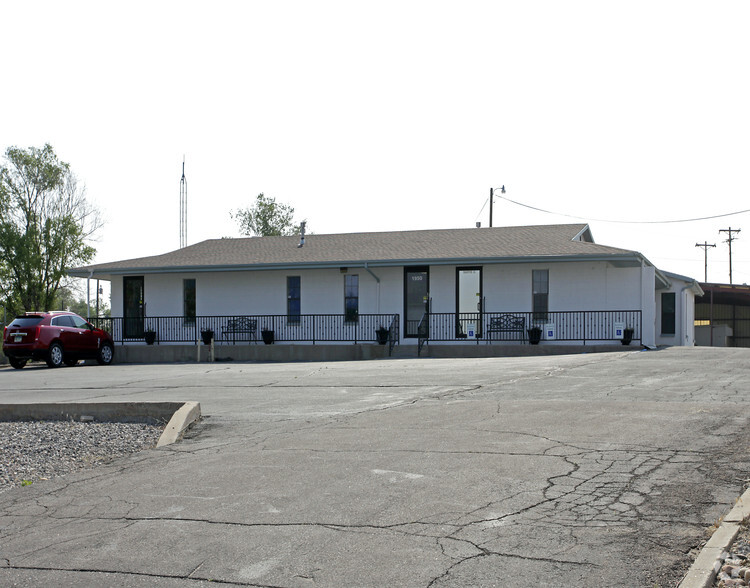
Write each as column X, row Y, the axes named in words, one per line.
column 45, row 222
column 266, row 217
column 72, row 297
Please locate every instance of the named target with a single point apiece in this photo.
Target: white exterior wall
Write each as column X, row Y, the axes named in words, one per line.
column 573, row 286
column 256, row 292
column 115, row 296
column 648, row 304
column 684, row 315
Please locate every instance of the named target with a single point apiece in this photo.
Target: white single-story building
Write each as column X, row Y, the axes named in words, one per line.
column 448, row 285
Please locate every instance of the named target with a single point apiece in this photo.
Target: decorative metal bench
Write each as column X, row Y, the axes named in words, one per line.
column 507, row 323
column 242, row 328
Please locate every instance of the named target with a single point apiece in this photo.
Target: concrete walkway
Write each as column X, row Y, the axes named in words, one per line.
column 579, row 470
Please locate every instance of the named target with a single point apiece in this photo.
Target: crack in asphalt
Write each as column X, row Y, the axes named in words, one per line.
column 140, row 574
column 603, row 485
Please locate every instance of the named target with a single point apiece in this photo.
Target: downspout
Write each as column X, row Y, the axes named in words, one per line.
column 377, row 279
column 685, row 326
column 683, row 322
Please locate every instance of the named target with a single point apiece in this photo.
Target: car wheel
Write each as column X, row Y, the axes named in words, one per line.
column 55, row 355
column 71, row 362
column 106, row 354
column 17, row 363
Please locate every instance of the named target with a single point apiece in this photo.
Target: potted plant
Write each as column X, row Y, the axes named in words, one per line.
column 150, row 336
column 627, row 335
column 535, row 335
column 267, row 335
column 207, row 335
column 381, row 335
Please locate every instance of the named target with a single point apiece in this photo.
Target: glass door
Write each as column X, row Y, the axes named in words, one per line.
column 468, row 302
column 416, row 298
column 133, row 307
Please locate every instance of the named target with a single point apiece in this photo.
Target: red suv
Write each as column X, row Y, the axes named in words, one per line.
column 56, row 337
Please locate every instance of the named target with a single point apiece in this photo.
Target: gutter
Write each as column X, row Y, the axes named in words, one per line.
column 121, row 271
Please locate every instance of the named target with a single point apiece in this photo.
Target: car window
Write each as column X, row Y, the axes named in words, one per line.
column 78, row 322
column 61, row 321
column 26, row 321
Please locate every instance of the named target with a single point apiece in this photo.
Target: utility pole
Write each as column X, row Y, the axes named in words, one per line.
column 729, row 240
column 705, row 246
column 492, row 194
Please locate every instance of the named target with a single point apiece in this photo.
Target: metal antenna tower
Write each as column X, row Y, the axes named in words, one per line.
column 705, row 246
column 729, row 240
column 183, row 207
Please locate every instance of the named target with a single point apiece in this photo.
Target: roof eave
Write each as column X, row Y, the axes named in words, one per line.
column 107, row 273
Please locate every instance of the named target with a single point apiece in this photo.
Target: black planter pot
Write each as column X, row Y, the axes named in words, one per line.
column 627, row 336
column 207, row 336
column 535, row 335
column 382, row 336
column 267, row 337
column 150, row 337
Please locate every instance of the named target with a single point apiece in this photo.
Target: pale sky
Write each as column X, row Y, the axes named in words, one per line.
column 377, row 116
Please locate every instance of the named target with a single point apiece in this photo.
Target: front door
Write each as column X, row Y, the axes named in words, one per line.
column 416, row 297
column 468, row 302
column 133, row 307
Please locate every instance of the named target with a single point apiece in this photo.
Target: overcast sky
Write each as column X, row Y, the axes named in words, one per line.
column 376, row 116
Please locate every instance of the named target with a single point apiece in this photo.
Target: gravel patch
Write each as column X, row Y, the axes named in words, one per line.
column 735, row 562
column 40, row 450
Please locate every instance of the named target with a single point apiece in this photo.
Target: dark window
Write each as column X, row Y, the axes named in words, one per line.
column 351, row 297
column 668, row 313
column 540, row 294
column 30, row 321
column 62, row 321
column 188, row 300
column 133, row 306
column 416, row 298
column 293, row 299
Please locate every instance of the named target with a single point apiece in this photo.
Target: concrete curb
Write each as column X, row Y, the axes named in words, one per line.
column 179, row 423
column 705, row 567
column 180, row 415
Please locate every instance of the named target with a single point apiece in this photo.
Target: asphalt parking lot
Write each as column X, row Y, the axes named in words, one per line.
column 581, row 470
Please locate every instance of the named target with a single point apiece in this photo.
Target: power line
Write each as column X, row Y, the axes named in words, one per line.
column 601, row 220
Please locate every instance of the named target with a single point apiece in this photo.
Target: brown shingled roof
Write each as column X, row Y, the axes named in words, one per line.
column 378, row 249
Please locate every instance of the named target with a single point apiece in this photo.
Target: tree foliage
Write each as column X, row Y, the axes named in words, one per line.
column 73, row 298
column 266, row 217
column 45, row 223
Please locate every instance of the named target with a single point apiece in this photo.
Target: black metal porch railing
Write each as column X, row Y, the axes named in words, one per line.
column 393, row 334
column 234, row 329
column 584, row 326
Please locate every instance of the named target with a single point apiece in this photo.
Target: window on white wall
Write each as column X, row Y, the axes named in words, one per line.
column 188, row 300
column 668, row 313
column 293, row 299
column 540, row 294
column 351, row 297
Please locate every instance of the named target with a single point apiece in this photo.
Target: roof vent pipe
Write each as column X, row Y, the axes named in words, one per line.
column 301, row 234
